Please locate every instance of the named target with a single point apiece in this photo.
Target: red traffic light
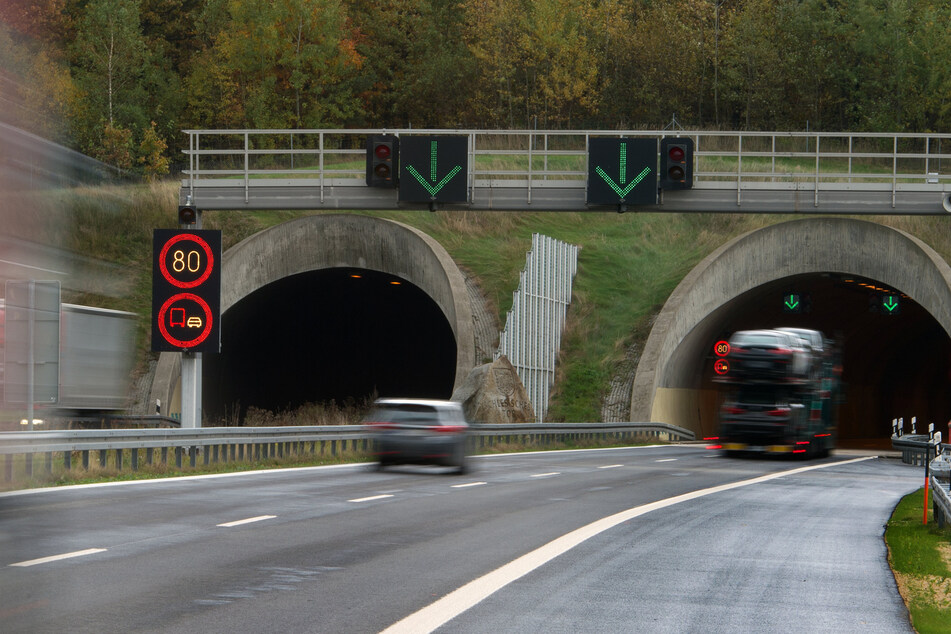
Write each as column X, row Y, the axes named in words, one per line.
column 382, row 154
column 187, row 215
column 676, row 163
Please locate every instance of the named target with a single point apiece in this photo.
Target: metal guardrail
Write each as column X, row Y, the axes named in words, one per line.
column 941, row 501
column 793, row 172
column 223, row 444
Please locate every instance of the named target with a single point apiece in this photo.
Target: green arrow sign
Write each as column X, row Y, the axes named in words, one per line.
column 431, row 185
column 890, row 303
column 433, row 168
column 792, row 302
column 622, row 171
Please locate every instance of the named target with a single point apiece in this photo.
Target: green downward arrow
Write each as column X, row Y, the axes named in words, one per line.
column 890, row 303
column 432, row 185
column 618, row 187
column 792, row 302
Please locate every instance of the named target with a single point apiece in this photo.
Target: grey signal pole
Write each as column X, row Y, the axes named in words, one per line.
column 191, row 372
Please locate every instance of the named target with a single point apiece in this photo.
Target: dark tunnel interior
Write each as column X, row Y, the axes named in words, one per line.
column 895, row 364
column 329, row 335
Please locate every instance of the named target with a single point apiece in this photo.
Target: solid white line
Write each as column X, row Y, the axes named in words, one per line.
column 455, row 603
column 611, row 466
column 250, row 520
column 46, row 560
column 545, row 475
column 372, row 497
column 667, row 460
column 469, row 484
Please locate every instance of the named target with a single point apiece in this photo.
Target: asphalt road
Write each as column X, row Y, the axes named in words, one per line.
column 665, row 539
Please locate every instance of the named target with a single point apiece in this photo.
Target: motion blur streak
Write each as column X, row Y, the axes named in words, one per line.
column 455, row 603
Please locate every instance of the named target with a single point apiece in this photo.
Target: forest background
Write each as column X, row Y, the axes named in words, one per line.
column 120, row 79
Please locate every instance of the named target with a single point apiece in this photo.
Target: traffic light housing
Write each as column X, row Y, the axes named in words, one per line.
column 382, row 160
column 187, row 215
column 676, row 163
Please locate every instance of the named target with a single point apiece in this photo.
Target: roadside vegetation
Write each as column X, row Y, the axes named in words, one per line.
column 119, row 79
column 920, row 557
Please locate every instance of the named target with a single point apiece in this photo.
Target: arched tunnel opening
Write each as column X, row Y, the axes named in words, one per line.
column 338, row 334
column 896, row 363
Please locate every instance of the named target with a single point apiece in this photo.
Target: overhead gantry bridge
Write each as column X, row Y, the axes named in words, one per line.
column 525, row 170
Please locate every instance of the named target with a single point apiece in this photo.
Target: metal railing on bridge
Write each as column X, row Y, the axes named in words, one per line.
column 790, row 172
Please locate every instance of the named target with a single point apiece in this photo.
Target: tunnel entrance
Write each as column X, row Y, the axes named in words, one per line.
column 895, row 363
column 331, row 334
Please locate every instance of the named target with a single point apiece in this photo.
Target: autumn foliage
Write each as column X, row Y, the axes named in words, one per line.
column 120, row 78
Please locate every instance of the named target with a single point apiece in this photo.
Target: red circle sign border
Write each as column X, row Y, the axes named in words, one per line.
column 191, row 343
column 200, row 242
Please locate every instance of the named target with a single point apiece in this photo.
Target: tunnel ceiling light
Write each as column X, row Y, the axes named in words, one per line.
column 395, row 283
column 356, row 277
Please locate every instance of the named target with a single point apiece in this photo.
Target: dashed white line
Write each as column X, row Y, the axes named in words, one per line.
column 372, row 497
column 611, row 466
column 468, row 484
column 667, row 460
column 250, row 520
column 546, row 475
column 46, row 560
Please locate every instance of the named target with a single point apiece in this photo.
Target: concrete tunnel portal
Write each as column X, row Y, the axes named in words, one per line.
column 331, row 307
column 894, row 364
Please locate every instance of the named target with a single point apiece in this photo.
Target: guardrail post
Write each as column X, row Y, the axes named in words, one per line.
column 135, row 459
column 164, row 456
column 193, row 456
column 49, row 462
column 149, row 454
column 102, row 458
column 119, row 459
column 68, row 460
column 178, row 457
column 86, row 460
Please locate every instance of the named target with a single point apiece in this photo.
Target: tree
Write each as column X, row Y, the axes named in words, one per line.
column 110, row 53
column 281, row 64
column 152, row 154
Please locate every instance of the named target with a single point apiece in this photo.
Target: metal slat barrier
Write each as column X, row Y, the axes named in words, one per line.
column 229, row 444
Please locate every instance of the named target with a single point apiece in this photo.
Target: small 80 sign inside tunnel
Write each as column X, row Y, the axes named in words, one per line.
column 186, row 290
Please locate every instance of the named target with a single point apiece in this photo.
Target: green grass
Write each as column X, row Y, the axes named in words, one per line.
column 920, row 557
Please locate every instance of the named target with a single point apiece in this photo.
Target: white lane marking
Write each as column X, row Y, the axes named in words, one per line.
column 249, row 520
column 546, row 475
column 46, row 560
column 667, row 460
column 372, row 497
column 468, row 484
column 443, row 610
column 611, row 466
